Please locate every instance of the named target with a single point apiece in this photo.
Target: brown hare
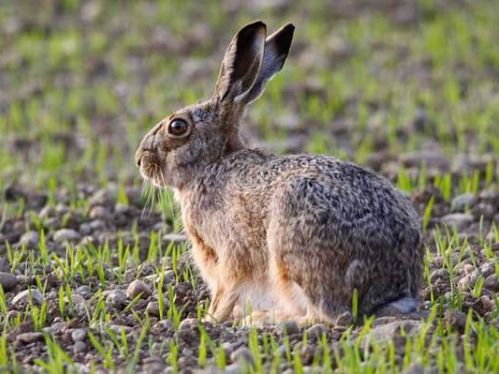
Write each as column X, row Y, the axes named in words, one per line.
column 288, row 237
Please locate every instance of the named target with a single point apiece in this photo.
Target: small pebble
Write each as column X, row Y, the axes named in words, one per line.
column 29, row 337
column 455, row 318
column 468, row 281
column 78, row 335
column 8, row 281
column 79, row 346
column 492, row 283
column 138, row 287
column 99, row 212
column 460, row 220
column 290, row 327
column 116, row 298
column 317, row 330
column 64, row 235
column 152, row 308
column 23, row 297
column 30, row 239
column 461, row 202
column 242, row 355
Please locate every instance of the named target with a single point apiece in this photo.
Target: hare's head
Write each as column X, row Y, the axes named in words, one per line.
column 186, row 141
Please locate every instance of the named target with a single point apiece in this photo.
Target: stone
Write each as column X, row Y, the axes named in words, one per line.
column 29, row 337
column 487, row 268
column 64, row 235
column 78, row 335
column 483, row 305
column 455, row 318
column 460, row 220
column 23, row 297
column 152, row 308
column 461, row 202
column 174, row 238
column 30, row 239
column 290, row 327
column 99, row 212
column 188, row 324
column 116, row 298
column 316, row 331
column 468, row 281
column 387, row 332
column 491, row 283
column 8, row 281
column 79, row 346
column 136, row 288
column 242, row 355
column 344, row 319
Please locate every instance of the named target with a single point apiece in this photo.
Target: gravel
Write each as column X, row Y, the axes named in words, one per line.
column 138, row 287
column 8, row 281
column 69, row 235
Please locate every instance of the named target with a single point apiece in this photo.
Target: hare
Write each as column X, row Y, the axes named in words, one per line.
column 291, row 237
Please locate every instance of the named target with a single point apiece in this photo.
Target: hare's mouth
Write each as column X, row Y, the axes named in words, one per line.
column 151, row 169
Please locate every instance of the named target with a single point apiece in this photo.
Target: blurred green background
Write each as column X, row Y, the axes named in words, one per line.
column 390, row 84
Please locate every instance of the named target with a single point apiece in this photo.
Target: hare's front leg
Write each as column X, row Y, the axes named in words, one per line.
column 222, row 304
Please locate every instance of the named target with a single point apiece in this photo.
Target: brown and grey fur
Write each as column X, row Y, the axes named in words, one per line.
column 292, row 237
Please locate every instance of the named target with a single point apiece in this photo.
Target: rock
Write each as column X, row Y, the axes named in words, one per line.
column 485, row 210
column 386, row 332
column 430, row 159
column 242, row 355
column 99, row 212
column 290, row 327
column 174, row 238
column 78, row 335
column 104, row 196
column 483, row 305
column 492, row 283
column 22, row 279
column 84, row 291
column 233, row 369
column 116, row 298
column 79, row 346
column 228, row 348
column 30, row 239
column 138, row 287
column 467, row 282
column 47, row 212
column 460, row 220
column 316, row 331
column 64, row 235
column 23, row 297
column 344, row 319
column 416, row 369
column 437, row 274
column 55, row 328
column 461, row 202
column 8, row 281
column 188, row 324
column 152, row 308
column 456, row 319
column 29, row 337
column 487, row 268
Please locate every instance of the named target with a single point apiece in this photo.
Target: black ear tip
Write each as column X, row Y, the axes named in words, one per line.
column 256, row 25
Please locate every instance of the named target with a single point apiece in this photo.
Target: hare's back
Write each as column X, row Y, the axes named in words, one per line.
column 343, row 196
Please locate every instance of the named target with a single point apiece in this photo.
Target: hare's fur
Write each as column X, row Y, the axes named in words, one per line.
column 290, row 237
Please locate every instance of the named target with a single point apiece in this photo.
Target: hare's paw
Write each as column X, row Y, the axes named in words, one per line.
column 263, row 318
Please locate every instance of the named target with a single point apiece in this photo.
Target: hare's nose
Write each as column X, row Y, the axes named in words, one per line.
column 138, row 157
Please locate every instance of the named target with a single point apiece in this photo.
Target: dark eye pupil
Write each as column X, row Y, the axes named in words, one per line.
column 178, row 127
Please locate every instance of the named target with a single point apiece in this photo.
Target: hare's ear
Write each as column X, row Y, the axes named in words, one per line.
column 242, row 62
column 276, row 50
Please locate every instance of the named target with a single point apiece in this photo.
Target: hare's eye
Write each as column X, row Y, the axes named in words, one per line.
column 178, row 127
